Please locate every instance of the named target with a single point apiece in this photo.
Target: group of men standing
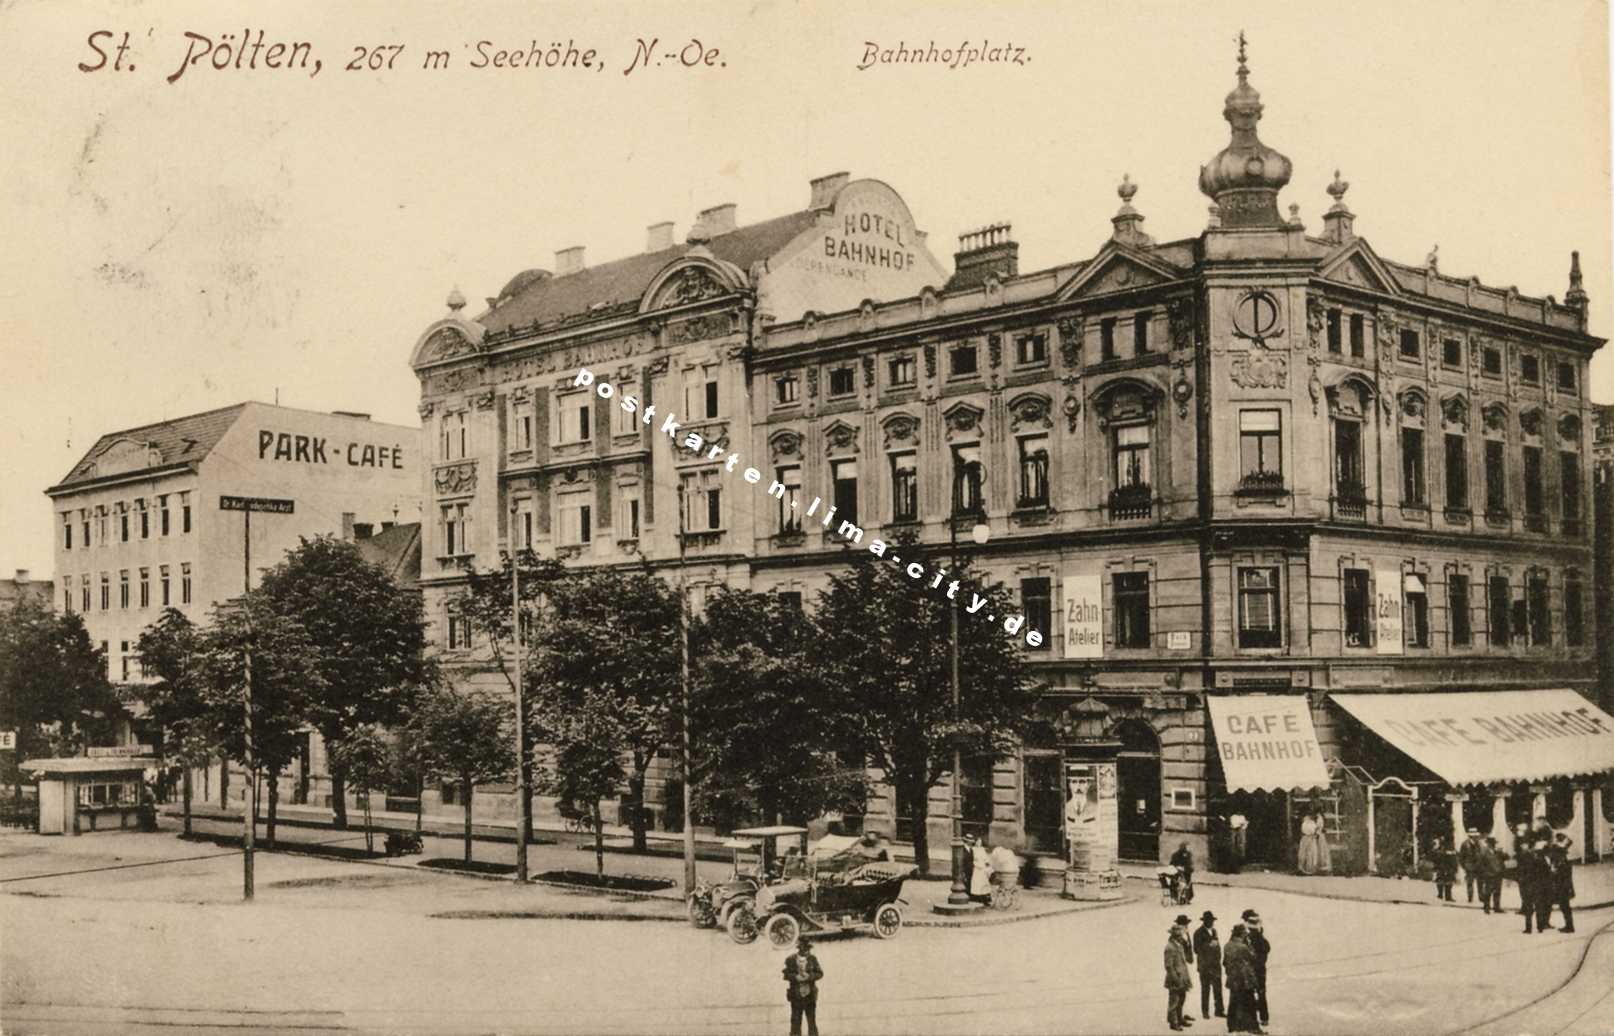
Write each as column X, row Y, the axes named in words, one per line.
column 1543, row 868
column 1243, row 963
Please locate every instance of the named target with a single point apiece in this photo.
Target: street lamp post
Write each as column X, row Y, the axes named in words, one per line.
column 524, row 802
column 958, row 899
column 683, row 685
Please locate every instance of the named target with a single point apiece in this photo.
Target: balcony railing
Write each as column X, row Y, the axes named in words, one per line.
column 1132, row 501
column 1350, row 500
column 1535, row 522
column 1261, row 483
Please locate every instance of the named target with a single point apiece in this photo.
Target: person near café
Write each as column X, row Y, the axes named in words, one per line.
column 1445, row 863
column 1208, row 961
column 1532, row 877
column 980, row 869
column 1238, row 962
column 1183, row 860
column 1179, row 931
column 1178, row 982
column 1561, row 880
column 1311, row 857
column 1489, row 863
column 1257, row 936
column 802, row 974
column 1468, row 857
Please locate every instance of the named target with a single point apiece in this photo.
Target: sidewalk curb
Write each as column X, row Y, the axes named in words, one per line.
column 1342, row 897
column 1004, row 917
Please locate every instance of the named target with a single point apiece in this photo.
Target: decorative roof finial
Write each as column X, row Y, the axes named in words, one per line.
column 1337, row 189
column 1244, row 66
column 1246, row 173
column 1127, row 189
column 1575, row 298
column 456, row 301
column 1432, row 260
column 1128, row 221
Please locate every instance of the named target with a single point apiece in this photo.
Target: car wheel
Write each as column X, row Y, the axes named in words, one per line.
column 700, row 913
column 887, row 921
column 783, row 931
column 741, row 925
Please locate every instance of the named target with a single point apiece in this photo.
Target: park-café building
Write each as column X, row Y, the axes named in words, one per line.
column 1307, row 528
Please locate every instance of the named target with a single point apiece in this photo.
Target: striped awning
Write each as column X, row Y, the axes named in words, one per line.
column 1266, row 742
column 1492, row 737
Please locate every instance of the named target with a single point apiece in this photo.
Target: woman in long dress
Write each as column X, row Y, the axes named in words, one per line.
column 1312, row 857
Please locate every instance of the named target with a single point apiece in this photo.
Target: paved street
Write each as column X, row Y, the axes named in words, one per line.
column 135, row 932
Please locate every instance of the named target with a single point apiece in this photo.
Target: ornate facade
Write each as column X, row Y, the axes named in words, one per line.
column 1217, row 465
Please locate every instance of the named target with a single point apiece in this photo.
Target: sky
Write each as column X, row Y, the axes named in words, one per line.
column 240, row 233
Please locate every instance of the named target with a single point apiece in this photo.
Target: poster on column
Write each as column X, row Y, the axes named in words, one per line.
column 1084, row 616
column 1387, row 609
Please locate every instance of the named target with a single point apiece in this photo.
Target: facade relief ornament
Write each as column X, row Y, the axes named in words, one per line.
column 483, row 400
column 692, row 285
column 785, row 444
column 901, row 428
column 1070, row 341
column 453, row 381
column 1260, row 370
column 1316, row 324
column 1073, row 412
column 575, row 475
column 1495, row 416
column 1412, row 404
column 425, row 409
column 1180, row 321
column 1030, row 410
column 712, row 325
column 840, row 437
column 1530, row 422
column 994, row 348
column 1182, row 390
column 1385, row 332
column 868, row 372
column 1315, row 387
column 657, row 367
column 454, row 479
column 1454, row 409
column 812, row 382
column 447, row 343
column 1569, row 430
column 963, row 418
column 930, row 359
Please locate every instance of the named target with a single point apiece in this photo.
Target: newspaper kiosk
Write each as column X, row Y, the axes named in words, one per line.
column 86, row 793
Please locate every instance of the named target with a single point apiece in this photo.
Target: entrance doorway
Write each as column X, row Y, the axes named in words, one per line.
column 1137, row 771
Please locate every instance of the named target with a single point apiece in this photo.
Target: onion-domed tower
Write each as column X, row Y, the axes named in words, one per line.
column 1245, row 177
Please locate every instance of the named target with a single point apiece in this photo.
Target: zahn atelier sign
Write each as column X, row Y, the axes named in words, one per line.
column 261, row 504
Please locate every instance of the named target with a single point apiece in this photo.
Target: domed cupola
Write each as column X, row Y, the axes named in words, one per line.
column 1245, row 177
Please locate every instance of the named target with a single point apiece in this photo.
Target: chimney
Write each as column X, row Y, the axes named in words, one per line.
column 568, row 260
column 658, row 236
column 717, row 220
column 362, row 530
column 825, row 188
column 387, row 525
column 1338, row 220
column 989, row 250
column 347, row 526
column 22, row 575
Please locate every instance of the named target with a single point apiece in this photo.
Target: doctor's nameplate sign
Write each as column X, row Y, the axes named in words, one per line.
column 319, row 449
column 261, row 504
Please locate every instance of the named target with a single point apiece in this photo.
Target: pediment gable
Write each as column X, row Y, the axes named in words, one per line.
column 1117, row 269
column 1359, row 267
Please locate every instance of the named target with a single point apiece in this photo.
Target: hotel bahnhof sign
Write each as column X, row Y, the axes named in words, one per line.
column 261, row 504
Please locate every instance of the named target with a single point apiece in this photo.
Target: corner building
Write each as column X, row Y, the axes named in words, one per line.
column 1252, row 484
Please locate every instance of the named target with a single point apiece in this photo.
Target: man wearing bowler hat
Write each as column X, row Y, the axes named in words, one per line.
column 802, row 973
column 1263, row 949
column 1208, row 959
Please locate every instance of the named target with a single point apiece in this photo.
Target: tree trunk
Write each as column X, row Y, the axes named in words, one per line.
column 420, row 799
column 185, row 793
column 338, row 798
column 636, row 818
column 369, row 832
column 274, row 803
column 224, row 782
column 465, row 786
column 919, row 808
column 599, row 842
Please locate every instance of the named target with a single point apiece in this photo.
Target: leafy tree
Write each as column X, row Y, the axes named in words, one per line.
column 54, row 690
column 461, row 739
column 767, row 720
column 285, row 678
column 369, row 635
column 609, row 643
column 884, row 638
column 588, row 737
column 171, row 650
column 365, row 755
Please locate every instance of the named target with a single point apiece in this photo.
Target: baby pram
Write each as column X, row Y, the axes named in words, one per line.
column 1175, row 889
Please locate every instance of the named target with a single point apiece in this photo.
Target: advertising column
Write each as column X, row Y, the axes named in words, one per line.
column 1092, row 831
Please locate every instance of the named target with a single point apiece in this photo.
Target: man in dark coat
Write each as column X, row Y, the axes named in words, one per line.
column 1179, row 931
column 1489, row 863
column 1208, row 960
column 1535, row 891
column 1524, row 872
column 1468, row 856
column 1561, row 888
column 1238, row 960
column 1178, row 982
column 1262, row 950
column 802, row 973
column 1183, row 860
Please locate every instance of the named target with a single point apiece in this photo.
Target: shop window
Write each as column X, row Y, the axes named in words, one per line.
column 1416, row 614
column 1106, row 338
column 1358, row 335
column 1530, row 369
column 844, row 475
column 961, row 361
column 1413, row 489
column 904, row 487
column 1451, row 353
column 967, row 478
column 1334, row 329
column 786, row 390
column 1574, row 610
column 841, row 382
column 901, row 371
column 975, row 792
column 1030, row 350
column 1044, row 797
column 1498, row 608
column 1357, row 599
column 1036, row 597
column 1457, row 603
column 1260, row 624
column 1034, row 471
column 1130, row 594
column 1411, row 348
column 1566, row 377
column 1456, row 471
column 1537, row 602
column 788, row 479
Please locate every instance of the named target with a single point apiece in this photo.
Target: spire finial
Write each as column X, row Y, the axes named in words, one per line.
column 1432, row 260
column 1576, row 296
column 1127, row 189
column 456, row 301
column 1244, row 67
column 1337, row 189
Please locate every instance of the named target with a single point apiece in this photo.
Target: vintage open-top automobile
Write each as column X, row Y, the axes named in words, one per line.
column 841, row 883
column 758, row 858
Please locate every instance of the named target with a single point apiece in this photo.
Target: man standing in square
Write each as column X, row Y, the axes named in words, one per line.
column 1262, row 949
column 802, row 973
